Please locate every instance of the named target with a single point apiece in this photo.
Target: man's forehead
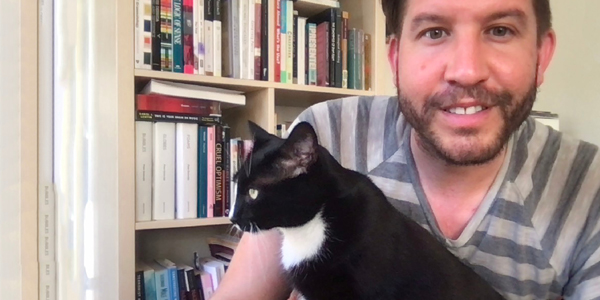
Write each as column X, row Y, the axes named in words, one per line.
column 460, row 9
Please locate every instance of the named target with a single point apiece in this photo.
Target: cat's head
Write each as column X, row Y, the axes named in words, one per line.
column 280, row 185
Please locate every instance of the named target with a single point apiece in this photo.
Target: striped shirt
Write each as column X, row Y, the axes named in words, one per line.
column 536, row 234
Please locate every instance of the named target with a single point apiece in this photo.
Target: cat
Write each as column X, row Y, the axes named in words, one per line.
column 342, row 239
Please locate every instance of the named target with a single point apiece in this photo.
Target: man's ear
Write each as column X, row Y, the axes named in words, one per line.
column 546, row 47
column 393, row 57
column 300, row 148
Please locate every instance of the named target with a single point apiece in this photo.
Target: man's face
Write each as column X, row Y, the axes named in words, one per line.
column 467, row 74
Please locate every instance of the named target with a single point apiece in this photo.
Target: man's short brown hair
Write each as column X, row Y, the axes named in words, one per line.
column 394, row 11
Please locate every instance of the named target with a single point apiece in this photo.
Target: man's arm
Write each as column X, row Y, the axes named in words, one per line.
column 255, row 271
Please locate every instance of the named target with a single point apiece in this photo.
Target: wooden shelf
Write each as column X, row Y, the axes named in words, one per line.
column 313, row 7
column 285, row 94
column 181, row 223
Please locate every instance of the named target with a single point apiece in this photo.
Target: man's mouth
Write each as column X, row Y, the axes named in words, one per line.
column 470, row 110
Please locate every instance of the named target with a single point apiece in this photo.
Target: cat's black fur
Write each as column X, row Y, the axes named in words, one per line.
column 372, row 251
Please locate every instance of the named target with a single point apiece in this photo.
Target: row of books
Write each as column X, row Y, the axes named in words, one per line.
column 162, row 279
column 223, row 38
column 185, row 157
column 321, row 49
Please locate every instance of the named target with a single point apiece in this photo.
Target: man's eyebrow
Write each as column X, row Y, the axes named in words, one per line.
column 426, row 18
column 517, row 14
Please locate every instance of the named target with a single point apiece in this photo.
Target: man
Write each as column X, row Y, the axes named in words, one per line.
column 515, row 200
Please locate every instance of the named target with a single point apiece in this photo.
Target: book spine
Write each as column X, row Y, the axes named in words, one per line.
column 166, row 35
column 168, row 104
column 178, row 36
column 257, row 39
column 163, row 175
column 188, row 36
column 218, row 208
column 283, row 33
column 139, row 285
column 137, row 34
column 227, row 41
column 176, row 118
column 277, row 33
column 295, row 48
column 323, row 50
column 367, row 63
column 226, row 171
column 209, row 58
column 338, row 47
column 234, row 37
column 301, row 50
column 251, row 29
column 156, row 28
column 210, row 172
column 162, row 284
column 264, row 47
column 202, row 171
column 360, row 59
column 143, row 171
column 217, row 38
column 352, row 59
column 186, row 169
column 345, row 19
column 332, row 47
column 199, row 51
column 312, row 53
column 244, row 41
column 290, row 41
column 146, row 38
column 182, row 283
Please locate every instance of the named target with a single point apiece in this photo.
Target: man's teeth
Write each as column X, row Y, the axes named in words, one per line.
column 465, row 111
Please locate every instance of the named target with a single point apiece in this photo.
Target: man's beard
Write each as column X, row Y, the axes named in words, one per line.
column 513, row 112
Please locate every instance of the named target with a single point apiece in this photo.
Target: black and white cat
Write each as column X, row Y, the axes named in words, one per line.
column 342, row 239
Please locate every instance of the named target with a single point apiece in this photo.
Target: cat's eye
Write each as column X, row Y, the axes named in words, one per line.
column 253, row 193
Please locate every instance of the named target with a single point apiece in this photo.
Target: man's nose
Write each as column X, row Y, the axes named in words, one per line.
column 467, row 61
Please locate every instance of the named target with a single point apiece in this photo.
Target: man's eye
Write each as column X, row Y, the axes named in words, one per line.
column 500, row 31
column 435, row 34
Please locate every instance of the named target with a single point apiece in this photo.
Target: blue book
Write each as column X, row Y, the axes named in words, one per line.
column 173, row 278
column 202, row 172
column 178, row 36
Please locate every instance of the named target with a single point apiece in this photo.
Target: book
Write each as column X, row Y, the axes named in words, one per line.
column 163, row 171
column 228, row 98
column 143, row 170
column 177, row 105
column 186, row 171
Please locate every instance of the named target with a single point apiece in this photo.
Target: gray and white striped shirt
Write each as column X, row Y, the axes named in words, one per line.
column 537, row 233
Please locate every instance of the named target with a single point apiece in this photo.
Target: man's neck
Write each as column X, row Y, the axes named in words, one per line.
column 454, row 192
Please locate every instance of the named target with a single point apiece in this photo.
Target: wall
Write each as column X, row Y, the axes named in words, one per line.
column 10, row 151
column 572, row 85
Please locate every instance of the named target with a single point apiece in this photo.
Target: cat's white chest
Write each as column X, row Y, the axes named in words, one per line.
column 302, row 243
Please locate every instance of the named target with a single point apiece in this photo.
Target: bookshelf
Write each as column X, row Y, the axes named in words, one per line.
column 267, row 104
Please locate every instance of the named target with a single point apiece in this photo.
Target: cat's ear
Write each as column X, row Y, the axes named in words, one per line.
column 300, row 148
column 258, row 133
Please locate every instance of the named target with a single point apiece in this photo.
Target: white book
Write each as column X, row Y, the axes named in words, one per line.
column 227, row 98
column 186, row 171
column 199, row 37
column 143, row 171
column 301, row 50
column 217, row 40
column 236, row 37
column 138, row 33
column 163, row 171
column 215, row 268
column 244, row 39
column 209, row 41
column 250, row 27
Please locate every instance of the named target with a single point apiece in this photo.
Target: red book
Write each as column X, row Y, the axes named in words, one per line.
column 277, row 41
column 323, row 54
column 177, row 105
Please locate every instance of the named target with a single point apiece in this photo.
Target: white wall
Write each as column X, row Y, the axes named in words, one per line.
column 572, row 85
column 10, row 150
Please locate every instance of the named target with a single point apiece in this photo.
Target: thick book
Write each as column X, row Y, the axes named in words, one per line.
column 143, row 170
column 227, row 98
column 219, row 182
column 177, row 118
column 186, row 171
column 169, row 104
column 323, row 66
column 163, row 171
